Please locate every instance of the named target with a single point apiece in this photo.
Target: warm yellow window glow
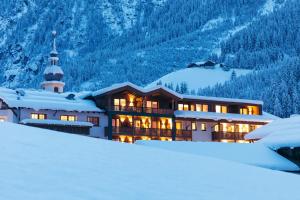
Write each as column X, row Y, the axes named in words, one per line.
column 204, row 108
column 123, row 102
column 178, row 125
column 243, row 128
column 203, row 126
column 68, row 118
column 154, row 104
column 194, row 126
column 216, row 128
column 244, row 111
column 221, row 109
column 192, row 107
column 2, row 119
column 166, row 123
column 198, row 107
column 186, row 107
column 149, row 104
column 116, row 102
column 38, row 116
column 224, row 109
column 180, row 106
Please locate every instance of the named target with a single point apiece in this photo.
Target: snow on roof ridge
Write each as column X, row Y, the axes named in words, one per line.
column 227, row 116
column 181, row 96
column 56, row 122
column 41, row 99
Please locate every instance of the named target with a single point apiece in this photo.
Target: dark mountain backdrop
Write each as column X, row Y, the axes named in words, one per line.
column 107, row 41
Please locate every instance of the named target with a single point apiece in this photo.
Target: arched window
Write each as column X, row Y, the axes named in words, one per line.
column 56, row 89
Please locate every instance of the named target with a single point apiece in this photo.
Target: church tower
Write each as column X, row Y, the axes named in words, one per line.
column 53, row 73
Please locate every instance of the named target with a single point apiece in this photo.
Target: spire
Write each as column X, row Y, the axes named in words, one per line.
column 53, row 73
column 54, row 52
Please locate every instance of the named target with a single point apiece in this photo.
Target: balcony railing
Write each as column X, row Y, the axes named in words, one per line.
column 151, row 132
column 142, row 109
column 184, row 133
column 217, row 136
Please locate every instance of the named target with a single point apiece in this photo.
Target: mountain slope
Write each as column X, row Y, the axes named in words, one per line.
column 103, row 42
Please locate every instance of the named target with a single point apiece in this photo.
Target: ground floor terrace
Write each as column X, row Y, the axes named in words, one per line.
column 129, row 128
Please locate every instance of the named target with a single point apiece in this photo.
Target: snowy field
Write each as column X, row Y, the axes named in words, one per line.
column 41, row 164
column 199, row 77
column 253, row 154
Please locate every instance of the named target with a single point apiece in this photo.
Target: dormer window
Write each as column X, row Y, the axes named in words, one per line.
column 38, row 116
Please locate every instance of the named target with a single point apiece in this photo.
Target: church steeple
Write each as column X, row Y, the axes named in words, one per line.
column 53, row 73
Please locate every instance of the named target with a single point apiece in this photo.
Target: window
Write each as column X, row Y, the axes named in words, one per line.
column 198, row 107
column 2, row 119
column 192, row 107
column 244, row 111
column 203, row 126
column 38, row 116
column 93, row 120
column 202, row 107
column 152, row 104
column 180, row 106
column 120, row 102
column 194, row 126
column 68, row 118
column 178, row 125
column 221, row 109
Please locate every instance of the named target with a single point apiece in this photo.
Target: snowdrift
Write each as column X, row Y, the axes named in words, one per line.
column 43, row 164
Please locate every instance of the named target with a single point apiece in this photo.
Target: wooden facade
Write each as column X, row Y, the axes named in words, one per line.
column 138, row 114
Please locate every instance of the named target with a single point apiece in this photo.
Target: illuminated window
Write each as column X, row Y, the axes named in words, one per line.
column 204, row 108
column 180, row 106
column 216, row 128
column 68, row 118
column 243, row 128
column 186, row 107
column 38, row 116
column 244, row 111
column 194, row 126
column 192, row 107
column 221, row 109
column 2, row 119
column 152, row 104
column 178, row 125
column 93, row 120
column 203, row 126
column 198, row 107
column 123, row 102
column 116, row 102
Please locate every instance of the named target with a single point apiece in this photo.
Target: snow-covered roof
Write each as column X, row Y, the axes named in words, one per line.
column 221, row 99
column 180, row 96
column 280, row 125
column 40, row 99
column 279, row 133
column 56, row 122
column 53, row 69
column 265, row 117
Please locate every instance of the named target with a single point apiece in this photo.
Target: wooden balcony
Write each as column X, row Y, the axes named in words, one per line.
column 218, row 136
column 184, row 134
column 142, row 109
column 133, row 131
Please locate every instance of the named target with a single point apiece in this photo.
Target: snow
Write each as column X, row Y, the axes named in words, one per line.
column 181, row 96
column 251, row 154
column 280, row 125
column 38, row 99
column 266, row 117
column 43, row 164
column 279, row 133
column 53, row 69
column 199, row 77
column 56, row 122
column 212, row 24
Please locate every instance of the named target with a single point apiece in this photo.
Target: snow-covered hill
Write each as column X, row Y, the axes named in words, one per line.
column 199, row 77
column 42, row 164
